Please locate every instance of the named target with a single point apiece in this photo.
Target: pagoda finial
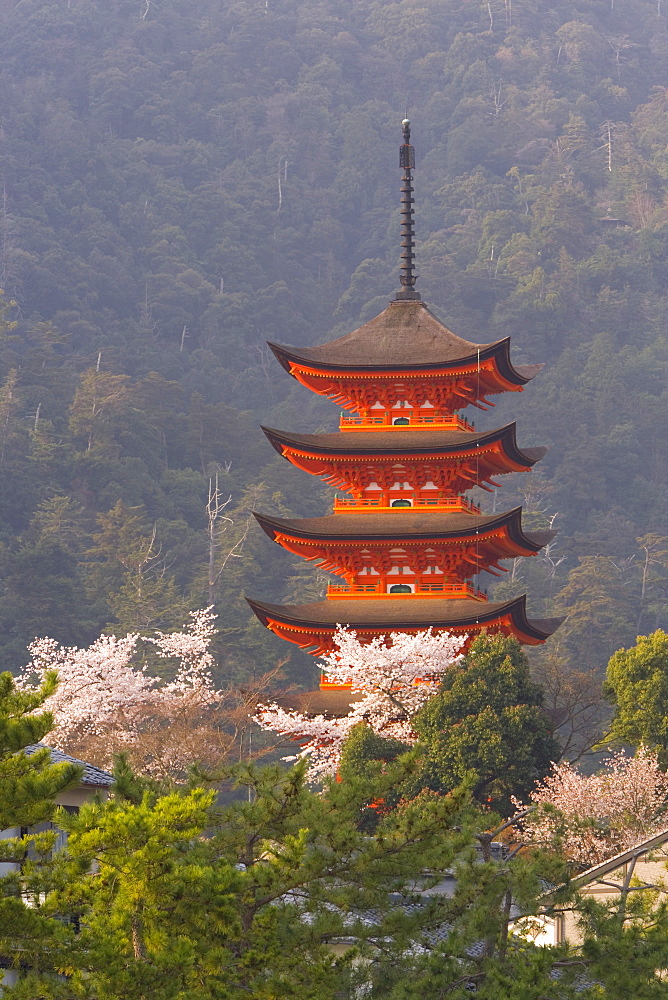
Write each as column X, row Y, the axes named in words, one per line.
column 407, row 163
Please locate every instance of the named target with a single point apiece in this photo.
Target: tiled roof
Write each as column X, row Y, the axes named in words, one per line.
column 92, row 775
column 390, row 442
column 378, row 613
column 333, row 703
column 405, row 335
column 404, row 524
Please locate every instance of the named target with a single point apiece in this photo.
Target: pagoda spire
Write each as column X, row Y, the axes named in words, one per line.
column 407, row 163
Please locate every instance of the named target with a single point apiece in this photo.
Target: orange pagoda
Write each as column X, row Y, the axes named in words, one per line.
column 405, row 541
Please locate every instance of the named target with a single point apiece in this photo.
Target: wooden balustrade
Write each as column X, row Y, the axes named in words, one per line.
column 433, row 503
column 385, row 420
column 462, row 591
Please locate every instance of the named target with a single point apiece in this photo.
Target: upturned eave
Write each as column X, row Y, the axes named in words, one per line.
column 406, row 443
column 310, row 623
column 404, row 525
column 404, row 337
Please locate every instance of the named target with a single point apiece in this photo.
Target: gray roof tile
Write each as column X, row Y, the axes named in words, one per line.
column 92, row 775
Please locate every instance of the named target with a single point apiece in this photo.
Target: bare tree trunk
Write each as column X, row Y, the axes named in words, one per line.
column 214, row 510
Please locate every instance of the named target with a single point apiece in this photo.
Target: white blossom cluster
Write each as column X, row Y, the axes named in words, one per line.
column 395, row 674
column 602, row 814
column 105, row 693
column 191, row 648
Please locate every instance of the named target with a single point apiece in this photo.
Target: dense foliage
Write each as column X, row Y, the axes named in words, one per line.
column 165, row 895
column 488, row 720
column 637, row 685
column 29, row 783
column 183, row 181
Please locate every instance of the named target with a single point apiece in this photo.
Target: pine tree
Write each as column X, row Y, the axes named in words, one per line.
column 29, row 784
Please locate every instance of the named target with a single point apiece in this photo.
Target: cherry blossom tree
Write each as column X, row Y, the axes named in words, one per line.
column 107, row 700
column 395, row 676
column 595, row 816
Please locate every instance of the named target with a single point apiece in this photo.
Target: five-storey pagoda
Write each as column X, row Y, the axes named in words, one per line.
column 406, row 541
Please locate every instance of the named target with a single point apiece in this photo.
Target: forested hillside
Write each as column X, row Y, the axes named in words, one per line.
column 182, row 181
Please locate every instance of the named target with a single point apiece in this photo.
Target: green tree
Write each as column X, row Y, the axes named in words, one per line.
column 128, row 567
column 653, row 568
column 279, row 894
column 9, row 427
column 600, row 610
column 193, row 900
column 488, row 718
column 29, row 784
column 43, row 589
column 100, row 403
column 637, row 684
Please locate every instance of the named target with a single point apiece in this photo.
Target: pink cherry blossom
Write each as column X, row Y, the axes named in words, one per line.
column 600, row 815
column 395, row 674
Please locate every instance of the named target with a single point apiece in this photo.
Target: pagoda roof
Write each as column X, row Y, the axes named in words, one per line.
column 397, row 525
column 404, row 442
column 406, row 335
column 403, row 613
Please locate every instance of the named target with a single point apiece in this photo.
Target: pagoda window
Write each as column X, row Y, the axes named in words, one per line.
column 401, row 588
column 402, row 418
column 402, row 502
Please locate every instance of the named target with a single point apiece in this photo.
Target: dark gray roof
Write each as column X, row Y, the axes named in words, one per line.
column 405, row 335
column 92, row 775
column 405, row 442
column 405, row 523
column 409, row 612
column 333, row 703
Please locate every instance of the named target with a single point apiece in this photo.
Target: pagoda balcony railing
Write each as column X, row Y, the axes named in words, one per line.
column 463, row 591
column 382, row 421
column 432, row 503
